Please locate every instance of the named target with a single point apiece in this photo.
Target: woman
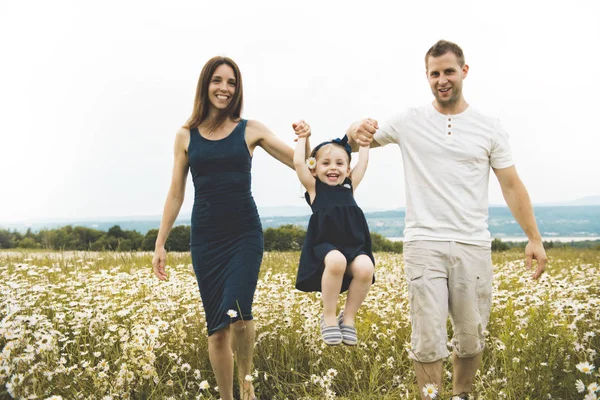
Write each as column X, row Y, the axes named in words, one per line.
column 216, row 145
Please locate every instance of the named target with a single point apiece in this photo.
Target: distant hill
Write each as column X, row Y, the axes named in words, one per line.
column 554, row 221
column 584, row 201
column 295, row 211
column 288, row 211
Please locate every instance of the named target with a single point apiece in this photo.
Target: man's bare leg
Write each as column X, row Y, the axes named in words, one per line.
column 464, row 371
column 429, row 373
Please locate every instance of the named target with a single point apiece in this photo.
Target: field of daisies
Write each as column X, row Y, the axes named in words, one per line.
column 101, row 326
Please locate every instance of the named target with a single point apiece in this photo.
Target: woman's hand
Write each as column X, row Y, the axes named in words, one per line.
column 159, row 262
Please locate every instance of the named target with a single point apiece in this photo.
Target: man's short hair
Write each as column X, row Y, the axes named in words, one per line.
column 442, row 47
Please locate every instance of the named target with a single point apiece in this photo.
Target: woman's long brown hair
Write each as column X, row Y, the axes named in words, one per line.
column 202, row 103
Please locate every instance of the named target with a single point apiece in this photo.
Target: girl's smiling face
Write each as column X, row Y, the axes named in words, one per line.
column 333, row 165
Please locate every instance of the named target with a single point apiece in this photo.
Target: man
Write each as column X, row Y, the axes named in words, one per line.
column 447, row 150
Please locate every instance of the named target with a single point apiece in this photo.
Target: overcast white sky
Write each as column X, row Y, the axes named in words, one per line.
column 92, row 93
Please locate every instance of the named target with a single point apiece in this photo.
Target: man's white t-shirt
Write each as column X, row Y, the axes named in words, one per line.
column 447, row 160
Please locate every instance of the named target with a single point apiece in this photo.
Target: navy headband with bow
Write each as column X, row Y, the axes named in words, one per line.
column 342, row 142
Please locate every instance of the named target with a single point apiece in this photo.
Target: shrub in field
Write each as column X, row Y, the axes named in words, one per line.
column 284, row 238
column 179, row 239
column 381, row 243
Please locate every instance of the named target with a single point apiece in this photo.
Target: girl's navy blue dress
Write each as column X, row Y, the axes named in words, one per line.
column 226, row 235
column 337, row 223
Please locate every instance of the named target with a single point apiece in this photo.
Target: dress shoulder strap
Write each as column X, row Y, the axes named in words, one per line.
column 194, row 133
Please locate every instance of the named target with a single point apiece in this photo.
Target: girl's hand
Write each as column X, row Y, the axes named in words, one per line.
column 302, row 129
column 159, row 262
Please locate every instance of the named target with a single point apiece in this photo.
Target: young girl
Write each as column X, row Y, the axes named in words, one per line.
column 336, row 255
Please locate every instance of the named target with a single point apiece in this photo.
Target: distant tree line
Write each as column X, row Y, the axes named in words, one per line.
column 291, row 237
column 499, row 245
column 81, row 238
column 283, row 238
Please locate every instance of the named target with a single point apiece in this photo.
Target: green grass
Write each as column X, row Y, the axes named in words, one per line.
column 81, row 325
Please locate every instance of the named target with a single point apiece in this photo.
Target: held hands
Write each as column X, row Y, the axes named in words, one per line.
column 535, row 251
column 158, row 263
column 302, row 129
column 362, row 132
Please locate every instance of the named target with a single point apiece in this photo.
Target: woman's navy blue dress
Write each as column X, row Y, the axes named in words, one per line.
column 226, row 234
column 337, row 223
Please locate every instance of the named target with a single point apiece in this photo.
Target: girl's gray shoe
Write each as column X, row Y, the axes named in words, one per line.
column 349, row 336
column 332, row 335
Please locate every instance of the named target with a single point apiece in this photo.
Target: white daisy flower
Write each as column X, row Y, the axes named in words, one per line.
column 580, row 386
column 46, row 342
column 152, row 331
column 4, row 371
column 232, row 313
column 590, row 396
column 430, row 390
column 147, row 371
column 593, row 387
column 103, row 364
column 204, row 385
column 585, row 367
column 311, row 162
column 248, row 378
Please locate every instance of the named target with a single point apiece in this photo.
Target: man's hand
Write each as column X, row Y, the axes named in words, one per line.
column 362, row 132
column 535, row 251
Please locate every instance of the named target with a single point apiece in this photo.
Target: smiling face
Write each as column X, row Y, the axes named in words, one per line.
column 445, row 75
column 333, row 165
column 222, row 87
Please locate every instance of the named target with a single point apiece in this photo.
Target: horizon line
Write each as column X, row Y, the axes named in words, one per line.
column 188, row 214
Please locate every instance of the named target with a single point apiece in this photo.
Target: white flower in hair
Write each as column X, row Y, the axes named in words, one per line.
column 311, row 162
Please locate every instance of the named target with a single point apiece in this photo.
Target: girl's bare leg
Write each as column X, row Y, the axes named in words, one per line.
column 331, row 284
column 361, row 269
